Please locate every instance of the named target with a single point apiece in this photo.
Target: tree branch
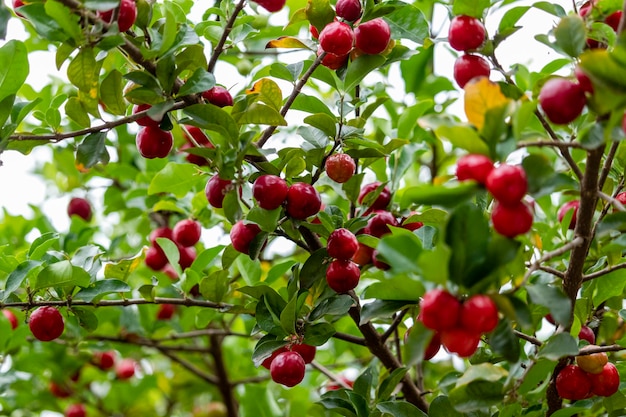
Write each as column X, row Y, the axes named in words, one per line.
column 190, row 367
column 219, row 48
column 225, row 386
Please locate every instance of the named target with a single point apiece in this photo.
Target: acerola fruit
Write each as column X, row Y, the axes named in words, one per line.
column 363, row 255
column 621, row 197
column 242, row 234
column 302, row 201
column 342, row 244
column 145, row 120
column 412, row 226
column 605, row 383
column 17, row 4
column 267, row 363
column 216, row 189
column 372, row 37
column 378, row 261
column 104, row 360
column 218, row 96
column 75, row 410
column 79, row 207
column 594, row 363
column 613, row 19
column 306, row 351
column 11, row 317
column 288, row 369
column 187, row 256
column 349, row 10
column 337, row 38
column 474, row 167
column 507, row 184
column 340, row 167
column 155, row 258
column 583, row 80
column 200, row 139
column 270, row 191
column 378, row 225
column 562, row 100
column 332, row 61
column 334, row 386
column 433, row 347
column 166, row 311
column 572, row 383
column 512, row 220
column 460, row 341
column 467, row 67
column 153, row 142
column 125, row 369
column 46, row 323
column 59, row 390
column 271, row 5
column 342, row 275
column 187, row 232
column 479, row 314
column 439, row 310
column 565, row 208
column 466, row 33
column 126, row 16
column 587, row 334
column 382, row 200
column 165, row 232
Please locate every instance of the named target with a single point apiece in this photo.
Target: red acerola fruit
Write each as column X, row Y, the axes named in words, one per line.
column 363, row 255
column 332, row 61
column 466, row 33
column 187, row 232
column 200, row 139
column 562, row 100
column 75, row 410
column 433, row 347
column 59, row 390
column 378, row 262
column 104, row 360
column 125, row 369
column 565, row 208
column 153, row 142
column 288, row 369
column 342, row 244
column 340, row 167
column 613, row 19
column 342, row 275
column 583, row 80
column 270, row 191
column 242, row 234
column 187, row 256
column 439, row 310
column 267, row 363
column 468, row 67
column 302, row 201
column 337, row 38
column 474, row 167
column 219, row 96
column 507, row 184
column 587, row 334
column 379, row 224
column 306, row 351
column 271, row 5
column 606, row 383
column 165, row 311
column 46, row 323
column 126, row 16
column 79, row 207
column 382, row 200
column 145, row 120
column 479, row 314
column 155, row 258
column 11, row 317
column 314, row 32
column 17, row 4
column 216, row 189
column 621, row 197
column 165, row 232
column 349, row 10
column 372, row 37
column 460, row 341
column 511, row 220
column 572, row 383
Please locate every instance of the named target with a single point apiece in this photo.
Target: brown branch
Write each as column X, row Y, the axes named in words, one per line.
column 190, row 367
column 330, row 375
column 219, row 47
column 188, row 302
column 608, row 162
column 528, row 338
column 603, row 272
column 394, row 325
column 350, row 338
column 549, row 255
column 225, row 386
column 591, row 349
column 549, row 143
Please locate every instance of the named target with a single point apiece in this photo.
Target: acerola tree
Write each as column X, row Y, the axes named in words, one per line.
column 259, row 226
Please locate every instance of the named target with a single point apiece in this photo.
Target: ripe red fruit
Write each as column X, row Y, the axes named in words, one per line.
column 621, row 197
column 288, row 369
column 187, row 232
column 572, row 383
column 267, row 363
column 125, row 369
column 379, row 224
column 340, row 167
column 104, row 360
column 513, row 220
column 349, row 10
column 342, row 275
column 378, row 262
column 145, row 120
column 382, row 200
column 46, row 323
column 439, row 310
column 242, row 234
column 342, row 244
column 271, row 5
column 372, row 37
column 155, row 258
column 468, row 67
column 474, row 167
column 334, row 386
column 613, row 19
column 199, row 139
column 302, row 201
column 583, row 80
column 59, row 390
column 218, row 95
column 507, row 184
column 153, row 142
column 466, row 33
column 332, row 61
column 606, row 383
column 314, row 32
column 187, row 256
column 11, row 317
column 587, row 334
column 165, row 232
column 433, row 347
column 79, row 207
column 363, row 255
column 216, row 189
column 306, row 351
column 75, row 410
column 412, row 226
column 460, row 341
column 166, row 311
column 337, row 38
column 565, row 208
column 562, row 100
column 126, row 16
column 270, row 191
column 479, row 314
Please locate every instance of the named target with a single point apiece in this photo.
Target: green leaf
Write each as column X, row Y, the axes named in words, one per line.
column 45, row 26
column 215, row 286
column 442, row 195
column 259, row 113
column 92, row 150
column 337, row 305
column 441, row 407
column 111, row 93
column 390, row 383
column 317, row 334
column 83, row 72
column 288, row 316
column 66, row 20
column 266, row 219
column 382, row 308
column 76, row 111
column 323, row 122
column 122, row 269
column 470, row 8
column 504, row 342
column 17, row 277
column 559, row 346
column 14, row 68
column 477, row 395
column 200, row 81
column 359, row 68
column 40, row 246
column 319, row 13
column 264, row 349
column 62, row 274
column 313, row 269
column 175, row 178
column 398, row 287
column 553, row 298
column 482, row 372
column 401, row 250
column 408, row 22
column 400, row 409
column 571, row 35
column 610, row 285
column 464, row 137
column 213, row 118
column 101, row 288
column 311, row 104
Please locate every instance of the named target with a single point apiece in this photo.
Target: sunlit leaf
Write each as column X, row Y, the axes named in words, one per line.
column 481, row 96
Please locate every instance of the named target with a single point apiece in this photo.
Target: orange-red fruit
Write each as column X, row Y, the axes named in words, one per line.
column 11, row 317
column 46, row 323
column 460, row 341
column 439, row 310
column 270, row 191
column 562, row 100
column 606, row 383
column 363, row 255
column 125, row 369
column 104, row 360
column 342, row 275
column 468, row 67
column 126, row 16
column 594, row 363
column 267, row 363
column 587, row 334
column 75, row 410
column 474, row 167
column 512, row 220
column 302, row 201
column 372, row 37
column 340, row 167
column 479, row 314
column 79, row 207
column 288, row 369
column 565, row 208
column 466, row 33
column 153, row 142
column 332, row 61
column 572, row 383
column 349, row 10
column 378, row 225
column 219, row 96
column 187, row 232
column 382, row 200
column 155, row 258
column 166, row 311
column 216, row 189
column 242, row 234
column 507, row 183
column 342, row 244
column 337, row 38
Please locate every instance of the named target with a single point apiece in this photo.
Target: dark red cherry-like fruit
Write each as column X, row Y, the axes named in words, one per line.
column 474, row 167
column 242, row 234
column 219, row 96
column 340, row 167
column 381, row 201
column 126, row 17
column 466, row 33
column 216, row 189
column 153, row 142
column 302, row 201
column 270, row 191
column 562, row 100
column 373, row 36
column 461, row 341
column 337, row 38
column 187, row 232
column 349, row 10
column 439, row 310
column 511, row 220
column 342, row 244
column 507, row 183
column 572, row 383
column 467, row 67
column 79, row 207
column 567, row 207
column 479, row 314
column 342, row 275
column 288, row 369
column 46, row 323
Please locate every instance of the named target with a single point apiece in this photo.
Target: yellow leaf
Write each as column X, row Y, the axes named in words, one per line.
column 481, row 96
column 286, row 42
column 268, row 92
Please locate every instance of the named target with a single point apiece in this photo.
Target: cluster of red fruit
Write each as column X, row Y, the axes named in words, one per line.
column 459, row 325
column 80, row 207
column 185, row 234
column 467, row 34
column 510, row 216
column 287, row 364
column 593, row 375
column 350, row 38
column 588, row 9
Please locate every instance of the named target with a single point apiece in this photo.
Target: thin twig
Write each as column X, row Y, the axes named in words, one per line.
column 219, row 47
column 330, row 375
column 603, row 272
column 190, row 367
column 528, row 338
